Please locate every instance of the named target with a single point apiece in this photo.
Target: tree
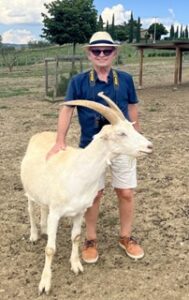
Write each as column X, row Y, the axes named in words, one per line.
column 38, row 44
column 138, row 31
column 157, row 30
column 100, row 24
column 112, row 28
column 186, row 33
column 181, row 32
column 0, row 41
column 69, row 21
column 131, row 28
column 172, row 33
column 122, row 32
column 9, row 56
column 177, row 33
column 107, row 27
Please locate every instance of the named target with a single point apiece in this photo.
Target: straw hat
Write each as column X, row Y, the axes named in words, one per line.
column 101, row 38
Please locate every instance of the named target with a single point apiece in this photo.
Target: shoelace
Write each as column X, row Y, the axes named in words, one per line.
column 90, row 243
column 130, row 239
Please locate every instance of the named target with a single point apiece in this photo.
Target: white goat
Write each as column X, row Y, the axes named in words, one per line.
column 67, row 183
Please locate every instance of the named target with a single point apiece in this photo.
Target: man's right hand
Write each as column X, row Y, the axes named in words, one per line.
column 55, row 149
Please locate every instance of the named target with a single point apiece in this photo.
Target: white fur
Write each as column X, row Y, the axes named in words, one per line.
column 67, row 183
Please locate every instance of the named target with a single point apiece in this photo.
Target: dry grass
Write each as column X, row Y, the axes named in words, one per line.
column 162, row 202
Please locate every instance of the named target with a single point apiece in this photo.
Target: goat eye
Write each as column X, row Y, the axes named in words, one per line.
column 122, row 134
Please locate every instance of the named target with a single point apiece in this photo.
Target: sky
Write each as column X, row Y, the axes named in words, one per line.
column 21, row 21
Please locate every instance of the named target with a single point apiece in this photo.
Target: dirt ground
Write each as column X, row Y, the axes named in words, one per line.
column 161, row 215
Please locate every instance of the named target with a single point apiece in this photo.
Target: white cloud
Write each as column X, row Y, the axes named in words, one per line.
column 166, row 21
column 171, row 11
column 121, row 15
column 17, row 36
column 21, row 11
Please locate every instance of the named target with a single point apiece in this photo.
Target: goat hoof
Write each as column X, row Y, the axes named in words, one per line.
column 44, row 287
column 33, row 238
column 76, row 268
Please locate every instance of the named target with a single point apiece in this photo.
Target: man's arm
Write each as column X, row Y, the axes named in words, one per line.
column 64, row 121
column 133, row 115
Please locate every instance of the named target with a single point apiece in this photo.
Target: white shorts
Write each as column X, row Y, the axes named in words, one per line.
column 123, row 173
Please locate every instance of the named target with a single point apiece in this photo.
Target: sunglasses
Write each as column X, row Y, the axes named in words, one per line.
column 106, row 52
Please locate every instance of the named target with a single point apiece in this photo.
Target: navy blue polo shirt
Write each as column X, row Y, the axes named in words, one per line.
column 81, row 87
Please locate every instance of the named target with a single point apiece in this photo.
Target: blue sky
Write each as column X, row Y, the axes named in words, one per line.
column 151, row 8
column 20, row 20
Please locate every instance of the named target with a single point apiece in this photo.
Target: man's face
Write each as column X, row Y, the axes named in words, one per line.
column 102, row 56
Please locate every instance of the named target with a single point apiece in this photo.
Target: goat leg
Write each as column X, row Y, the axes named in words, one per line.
column 33, row 227
column 76, row 265
column 52, row 224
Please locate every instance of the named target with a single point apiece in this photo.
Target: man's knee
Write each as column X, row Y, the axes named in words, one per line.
column 125, row 194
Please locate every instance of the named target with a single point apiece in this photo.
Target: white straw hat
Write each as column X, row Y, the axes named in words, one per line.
column 101, row 38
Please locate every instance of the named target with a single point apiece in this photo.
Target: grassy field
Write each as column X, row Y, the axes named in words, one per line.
column 28, row 74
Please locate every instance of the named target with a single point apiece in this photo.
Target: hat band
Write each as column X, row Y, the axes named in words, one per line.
column 101, row 42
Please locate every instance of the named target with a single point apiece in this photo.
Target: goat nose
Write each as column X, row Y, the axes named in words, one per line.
column 150, row 146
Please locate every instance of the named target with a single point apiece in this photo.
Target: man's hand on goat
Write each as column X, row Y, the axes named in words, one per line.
column 55, row 149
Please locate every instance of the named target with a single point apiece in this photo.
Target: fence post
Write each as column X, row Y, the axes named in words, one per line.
column 46, row 77
column 56, row 77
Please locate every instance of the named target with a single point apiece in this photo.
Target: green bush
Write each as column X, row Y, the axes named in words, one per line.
column 63, row 84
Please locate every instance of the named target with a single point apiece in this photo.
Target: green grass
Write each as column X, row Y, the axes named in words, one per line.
column 4, row 107
column 14, row 92
column 51, row 115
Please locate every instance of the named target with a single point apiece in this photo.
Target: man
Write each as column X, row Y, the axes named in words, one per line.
column 118, row 86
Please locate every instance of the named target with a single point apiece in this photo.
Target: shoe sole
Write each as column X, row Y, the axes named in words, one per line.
column 130, row 255
column 91, row 261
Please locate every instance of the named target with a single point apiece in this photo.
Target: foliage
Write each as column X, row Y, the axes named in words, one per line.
column 38, row 44
column 9, row 56
column 63, row 84
column 121, row 32
column 112, row 28
column 186, row 32
column 100, row 24
column 157, row 30
column 69, row 21
column 138, row 29
column 131, row 28
column 172, row 32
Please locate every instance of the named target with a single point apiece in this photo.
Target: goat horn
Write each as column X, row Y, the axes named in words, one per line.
column 112, row 105
column 107, row 112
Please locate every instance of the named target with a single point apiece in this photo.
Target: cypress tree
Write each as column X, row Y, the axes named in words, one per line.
column 172, row 33
column 112, row 30
column 138, row 31
column 186, row 33
column 131, row 28
column 107, row 27
column 177, row 33
column 181, row 32
column 100, row 24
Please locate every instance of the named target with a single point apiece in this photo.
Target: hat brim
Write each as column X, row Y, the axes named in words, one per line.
column 101, row 45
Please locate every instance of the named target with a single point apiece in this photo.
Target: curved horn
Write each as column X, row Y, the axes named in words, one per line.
column 112, row 105
column 107, row 112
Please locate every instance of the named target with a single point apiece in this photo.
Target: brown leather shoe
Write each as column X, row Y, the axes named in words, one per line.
column 89, row 251
column 131, row 247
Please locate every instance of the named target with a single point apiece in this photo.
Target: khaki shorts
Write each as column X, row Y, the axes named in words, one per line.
column 123, row 173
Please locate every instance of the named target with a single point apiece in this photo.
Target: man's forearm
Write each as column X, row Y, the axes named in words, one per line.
column 133, row 115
